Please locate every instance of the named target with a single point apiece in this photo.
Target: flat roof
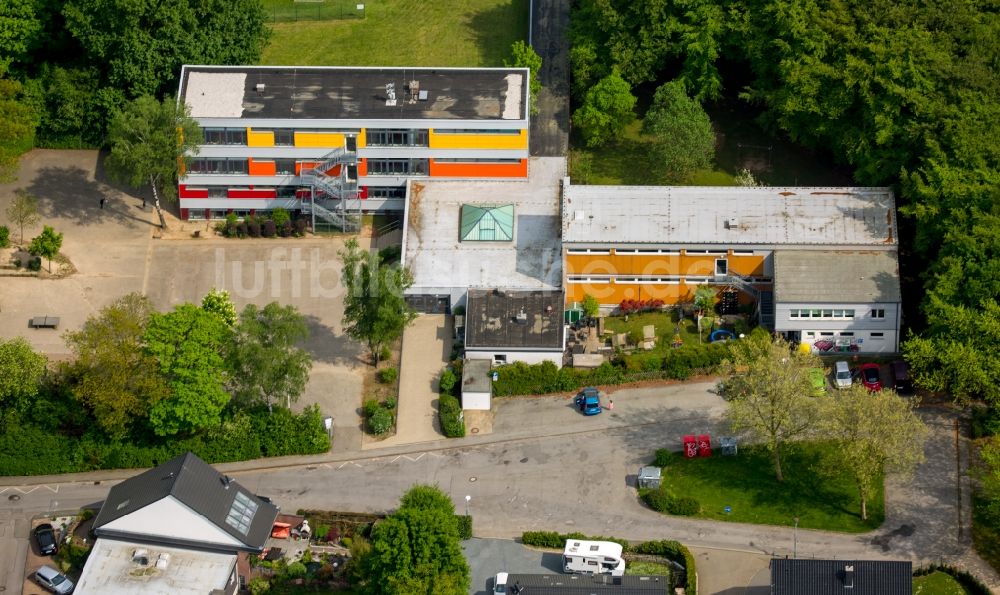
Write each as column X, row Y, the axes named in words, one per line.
column 728, row 215
column 585, row 584
column 476, row 376
column 110, row 570
column 505, row 319
column 439, row 260
column 335, row 93
column 842, row 276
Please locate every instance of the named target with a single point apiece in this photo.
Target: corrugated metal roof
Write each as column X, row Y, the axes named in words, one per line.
column 197, row 485
column 730, row 215
column 836, row 276
column 831, row 577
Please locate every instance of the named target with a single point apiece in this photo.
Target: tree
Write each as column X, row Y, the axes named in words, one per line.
column 114, row 377
column 21, row 372
column 416, row 551
column 523, row 55
column 149, row 140
column 187, row 345
column 23, row 210
column 218, row 302
column 606, row 110
column 375, row 312
column 17, row 127
column 46, row 244
column 683, row 139
column 19, row 25
column 264, row 362
column 591, row 307
column 875, row 434
column 768, row 393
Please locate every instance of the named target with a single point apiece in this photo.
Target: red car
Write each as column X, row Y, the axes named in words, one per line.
column 870, row 377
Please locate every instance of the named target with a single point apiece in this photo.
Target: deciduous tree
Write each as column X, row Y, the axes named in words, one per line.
column 375, row 312
column 19, row 26
column 46, row 244
column 218, row 302
column 683, row 139
column 21, row 371
column 523, row 55
column 148, row 140
column 875, row 434
column 768, row 393
column 114, row 377
column 188, row 344
column 23, row 210
column 606, row 110
column 591, row 307
column 266, row 363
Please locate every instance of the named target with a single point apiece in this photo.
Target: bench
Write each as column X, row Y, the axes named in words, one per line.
column 45, row 322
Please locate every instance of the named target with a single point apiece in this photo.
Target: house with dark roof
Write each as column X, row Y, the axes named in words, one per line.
column 584, row 584
column 506, row 326
column 840, row 577
column 182, row 527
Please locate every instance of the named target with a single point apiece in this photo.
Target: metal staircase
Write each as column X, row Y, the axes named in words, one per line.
column 335, row 198
column 763, row 300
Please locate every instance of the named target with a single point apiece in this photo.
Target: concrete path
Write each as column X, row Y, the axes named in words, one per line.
column 426, row 347
column 550, row 127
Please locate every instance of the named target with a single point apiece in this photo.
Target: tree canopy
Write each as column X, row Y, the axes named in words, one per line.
column 46, row 244
column 523, row 55
column 21, row 371
column 606, row 110
column 684, row 140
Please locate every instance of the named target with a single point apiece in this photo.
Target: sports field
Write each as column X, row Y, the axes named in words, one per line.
column 397, row 33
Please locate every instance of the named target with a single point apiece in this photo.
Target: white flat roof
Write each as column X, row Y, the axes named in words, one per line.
column 729, row 215
column 579, row 547
column 438, row 260
column 111, row 571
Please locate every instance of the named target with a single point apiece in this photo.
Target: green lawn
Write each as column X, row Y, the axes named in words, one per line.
column 813, row 490
column 937, row 583
column 665, row 323
column 404, row 33
column 647, row 569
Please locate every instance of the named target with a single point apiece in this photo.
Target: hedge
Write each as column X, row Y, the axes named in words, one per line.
column 26, row 449
column 464, row 526
column 971, row 584
column 661, row 500
column 668, row 548
column 450, row 415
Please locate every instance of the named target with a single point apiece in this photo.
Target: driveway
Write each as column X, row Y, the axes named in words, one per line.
column 426, row 347
column 550, row 126
column 486, row 557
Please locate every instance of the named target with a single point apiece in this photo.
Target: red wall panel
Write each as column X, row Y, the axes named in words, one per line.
column 184, row 192
column 253, row 193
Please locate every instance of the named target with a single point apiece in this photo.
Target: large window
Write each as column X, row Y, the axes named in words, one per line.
column 284, row 137
column 196, row 214
column 386, row 191
column 512, row 131
column 225, row 136
column 832, row 313
column 284, row 166
column 218, row 166
column 397, row 167
column 393, row 137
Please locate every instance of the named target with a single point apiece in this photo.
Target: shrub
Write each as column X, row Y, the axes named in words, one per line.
column 385, row 354
column 268, row 229
column 321, row 532
column 253, row 229
column 464, row 526
column 370, row 406
column 258, row 585
column 380, row 421
column 985, row 421
column 389, row 403
column 684, row 506
column 390, row 254
column 285, row 229
column 663, row 457
column 300, row 226
column 295, row 570
column 450, row 416
column 241, row 229
column 387, row 375
column 280, row 216
column 658, row 499
column 549, row 539
column 447, row 382
column 4, row 236
column 633, row 306
column 35, row 263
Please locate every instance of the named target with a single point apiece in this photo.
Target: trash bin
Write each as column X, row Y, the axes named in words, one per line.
column 704, row 445
column 649, row 477
column 690, row 447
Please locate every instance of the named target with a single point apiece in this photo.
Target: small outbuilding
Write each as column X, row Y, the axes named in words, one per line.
column 477, row 384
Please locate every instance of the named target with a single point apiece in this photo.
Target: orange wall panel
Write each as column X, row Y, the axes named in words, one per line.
column 262, row 168
column 659, row 264
column 363, row 166
column 611, row 294
column 479, row 170
column 301, row 165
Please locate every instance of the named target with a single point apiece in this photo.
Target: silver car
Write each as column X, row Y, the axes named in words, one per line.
column 842, row 375
column 53, row 580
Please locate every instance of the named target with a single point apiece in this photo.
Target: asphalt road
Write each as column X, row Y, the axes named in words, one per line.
column 550, row 126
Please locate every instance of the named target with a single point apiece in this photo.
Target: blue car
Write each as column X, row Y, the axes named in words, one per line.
column 589, row 401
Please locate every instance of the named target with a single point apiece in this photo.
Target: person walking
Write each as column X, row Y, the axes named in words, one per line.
column 611, row 405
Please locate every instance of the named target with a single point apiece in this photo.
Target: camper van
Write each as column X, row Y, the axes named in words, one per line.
column 593, row 557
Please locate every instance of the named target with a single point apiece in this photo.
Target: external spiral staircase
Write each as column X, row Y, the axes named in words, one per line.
column 335, row 198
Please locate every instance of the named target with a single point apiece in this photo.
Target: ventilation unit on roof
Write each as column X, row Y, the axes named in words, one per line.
column 390, row 94
column 413, row 91
column 141, row 557
column 162, row 561
column 260, row 88
column 732, row 223
column 849, row 576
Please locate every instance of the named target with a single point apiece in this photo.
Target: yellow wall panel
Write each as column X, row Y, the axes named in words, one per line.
column 325, row 140
column 437, row 140
column 263, row 138
column 362, row 139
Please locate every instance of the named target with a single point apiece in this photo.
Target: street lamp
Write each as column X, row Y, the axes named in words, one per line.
column 795, row 538
column 467, row 499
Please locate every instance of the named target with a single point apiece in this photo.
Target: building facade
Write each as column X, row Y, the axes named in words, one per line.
column 338, row 139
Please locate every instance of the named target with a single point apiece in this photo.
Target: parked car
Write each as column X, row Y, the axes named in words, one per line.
column 818, row 380
column 870, row 377
column 842, row 375
column 589, row 401
column 500, row 583
column 45, row 535
column 901, row 377
column 53, row 580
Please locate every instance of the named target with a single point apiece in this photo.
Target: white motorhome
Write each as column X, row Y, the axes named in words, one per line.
column 593, row 557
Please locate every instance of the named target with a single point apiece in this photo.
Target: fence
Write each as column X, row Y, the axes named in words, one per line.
column 287, row 11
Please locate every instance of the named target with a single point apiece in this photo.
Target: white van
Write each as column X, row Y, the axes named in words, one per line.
column 593, row 557
column 842, row 375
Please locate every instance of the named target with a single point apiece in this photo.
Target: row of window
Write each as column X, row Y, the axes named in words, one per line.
column 833, row 313
column 654, row 251
column 292, row 191
column 396, row 138
column 218, row 165
column 848, row 334
column 285, row 167
column 644, row 280
column 374, row 137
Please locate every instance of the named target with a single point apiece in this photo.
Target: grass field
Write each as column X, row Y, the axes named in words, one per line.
column 404, row 33
column 647, row 569
column 812, row 491
column 937, row 583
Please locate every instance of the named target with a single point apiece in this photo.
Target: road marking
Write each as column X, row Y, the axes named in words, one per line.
column 28, row 490
column 346, row 463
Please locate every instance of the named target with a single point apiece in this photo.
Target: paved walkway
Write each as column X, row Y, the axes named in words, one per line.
column 426, row 347
column 550, row 127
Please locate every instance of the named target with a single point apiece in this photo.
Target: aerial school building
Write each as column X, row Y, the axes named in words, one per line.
column 339, row 141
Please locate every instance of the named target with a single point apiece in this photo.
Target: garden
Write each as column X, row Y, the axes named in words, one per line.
column 265, row 224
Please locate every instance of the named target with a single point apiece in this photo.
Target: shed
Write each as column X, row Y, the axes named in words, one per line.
column 477, row 384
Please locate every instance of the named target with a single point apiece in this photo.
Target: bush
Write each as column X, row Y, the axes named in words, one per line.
column 972, row 585
column 295, row 570
column 4, row 236
column 285, row 229
column 663, row 457
column 464, row 526
column 258, row 585
column 380, row 421
column 370, row 406
column 658, row 499
column 684, row 506
column 241, row 229
column 389, row 403
column 549, row 539
column 321, row 532
column 300, row 226
column 447, row 382
column 632, row 306
column 280, row 216
column 985, row 421
column 390, row 254
column 387, row 375
column 450, row 416
column 253, row 229
column 35, row 263
column 268, row 229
